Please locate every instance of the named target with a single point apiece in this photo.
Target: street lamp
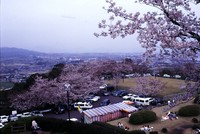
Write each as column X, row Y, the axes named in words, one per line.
column 67, row 88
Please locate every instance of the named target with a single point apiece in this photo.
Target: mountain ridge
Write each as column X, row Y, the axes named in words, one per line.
column 10, row 52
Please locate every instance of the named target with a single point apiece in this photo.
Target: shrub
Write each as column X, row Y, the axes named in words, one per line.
column 194, row 120
column 153, row 132
column 136, row 132
column 164, row 130
column 195, row 127
column 190, row 110
column 21, row 122
column 144, row 116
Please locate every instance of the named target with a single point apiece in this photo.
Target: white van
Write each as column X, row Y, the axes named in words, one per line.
column 142, row 101
column 83, row 105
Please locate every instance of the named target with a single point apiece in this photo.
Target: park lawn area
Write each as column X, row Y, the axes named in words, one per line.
column 157, row 125
column 172, row 85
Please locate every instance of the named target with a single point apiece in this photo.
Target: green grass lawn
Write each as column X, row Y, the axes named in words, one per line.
column 172, row 85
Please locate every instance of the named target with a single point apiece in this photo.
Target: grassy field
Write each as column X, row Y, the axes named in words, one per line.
column 172, row 85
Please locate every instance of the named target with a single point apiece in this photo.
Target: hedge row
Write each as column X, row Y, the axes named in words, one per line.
column 60, row 126
column 117, row 129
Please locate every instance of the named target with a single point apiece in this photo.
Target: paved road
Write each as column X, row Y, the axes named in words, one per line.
column 77, row 114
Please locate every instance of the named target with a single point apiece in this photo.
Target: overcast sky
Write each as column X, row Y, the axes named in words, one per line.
column 61, row 26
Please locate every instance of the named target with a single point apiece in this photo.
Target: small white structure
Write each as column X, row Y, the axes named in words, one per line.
column 107, row 113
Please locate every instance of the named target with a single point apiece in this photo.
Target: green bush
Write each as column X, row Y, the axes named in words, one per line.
column 195, row 127
column 190, row 110
column 164, row 130
column 153, row 132
column 194, row 120
column 144, row 116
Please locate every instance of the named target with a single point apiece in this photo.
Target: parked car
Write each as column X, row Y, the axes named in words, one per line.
column 19, row 116
column 122, row 93
column 118, row 92
column 1, row 125
column 37, row 113
column 26, row 114
column 95, row 98
column 157, row 101
column 106, row 93
column 3, row 118
column 12, row 117
column 92, row 98
column 105, row 102
column 143, row 96
column 83, row 105
column 103, row 86
column 133, row 97
column 197, row 100
column 73, row 119
column 142, row 101
column 129, row 96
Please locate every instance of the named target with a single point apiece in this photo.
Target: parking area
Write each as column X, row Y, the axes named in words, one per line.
column 76, row 111
column 139, row 101
column 76, row 114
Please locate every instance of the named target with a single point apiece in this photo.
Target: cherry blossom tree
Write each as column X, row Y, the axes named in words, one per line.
column 83, row 79
column 113, row 68
column 148, row 86
column 192, row 82
column 41, row 93
column 173, row 27
column 51, row 91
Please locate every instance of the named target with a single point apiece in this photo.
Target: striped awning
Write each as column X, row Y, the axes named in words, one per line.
column 99, row 111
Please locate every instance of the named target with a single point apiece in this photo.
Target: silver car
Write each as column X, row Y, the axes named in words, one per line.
column 12, row 118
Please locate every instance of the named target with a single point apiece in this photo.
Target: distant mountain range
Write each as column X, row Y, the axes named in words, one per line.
column 7, row 52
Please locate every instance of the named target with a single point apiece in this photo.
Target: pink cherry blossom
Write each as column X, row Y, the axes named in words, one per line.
column 174, row 29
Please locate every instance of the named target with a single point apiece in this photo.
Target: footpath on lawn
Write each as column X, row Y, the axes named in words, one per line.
column 182, row 125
